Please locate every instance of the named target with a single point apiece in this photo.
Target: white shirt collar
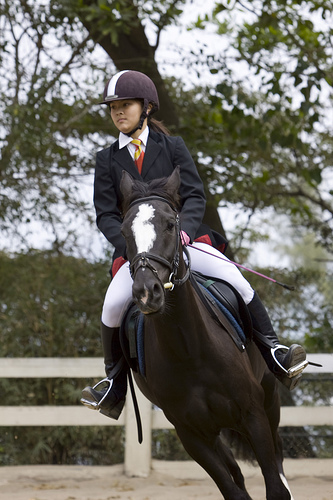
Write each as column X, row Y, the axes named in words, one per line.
column 124, row 140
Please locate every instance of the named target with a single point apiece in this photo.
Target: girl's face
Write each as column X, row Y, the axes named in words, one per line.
column 126, row 115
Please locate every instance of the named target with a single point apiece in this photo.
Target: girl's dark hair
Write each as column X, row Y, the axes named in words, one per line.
column 157, row 126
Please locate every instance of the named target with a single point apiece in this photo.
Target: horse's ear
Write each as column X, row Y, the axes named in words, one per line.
column 173, row 183
column 126, row 185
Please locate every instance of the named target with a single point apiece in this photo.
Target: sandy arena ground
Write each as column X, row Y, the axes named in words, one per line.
column 308, row 480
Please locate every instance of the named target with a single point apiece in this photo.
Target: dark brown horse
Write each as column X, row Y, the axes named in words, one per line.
column 194, row 370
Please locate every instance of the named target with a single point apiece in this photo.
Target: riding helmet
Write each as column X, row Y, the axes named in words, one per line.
column 130, row 84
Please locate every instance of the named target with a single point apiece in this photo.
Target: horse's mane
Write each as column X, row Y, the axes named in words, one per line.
column 156, row 187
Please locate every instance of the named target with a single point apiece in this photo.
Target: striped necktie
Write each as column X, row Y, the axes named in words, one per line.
column 139, row 154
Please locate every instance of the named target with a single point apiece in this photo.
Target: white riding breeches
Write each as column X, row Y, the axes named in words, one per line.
column 119, row 293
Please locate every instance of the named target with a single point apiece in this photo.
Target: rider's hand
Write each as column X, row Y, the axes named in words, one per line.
column 185, row 238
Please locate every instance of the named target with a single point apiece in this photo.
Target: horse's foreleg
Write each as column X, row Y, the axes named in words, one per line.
column 220, row 465
column 227, row 457
column 258, row 431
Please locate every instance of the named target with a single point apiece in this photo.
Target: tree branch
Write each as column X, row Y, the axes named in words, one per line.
column 133, row 51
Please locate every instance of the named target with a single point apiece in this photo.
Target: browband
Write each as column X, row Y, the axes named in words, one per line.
column 152, row 198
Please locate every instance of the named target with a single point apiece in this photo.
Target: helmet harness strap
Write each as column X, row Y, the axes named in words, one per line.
column 143, row 116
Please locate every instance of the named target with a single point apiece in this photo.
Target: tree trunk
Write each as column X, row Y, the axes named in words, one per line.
column 133, row 51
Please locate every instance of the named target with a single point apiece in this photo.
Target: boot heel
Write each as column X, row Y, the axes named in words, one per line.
column 115, row 411
column 288, row 382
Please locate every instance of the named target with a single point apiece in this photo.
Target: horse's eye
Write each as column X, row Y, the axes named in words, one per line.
column 170, row 225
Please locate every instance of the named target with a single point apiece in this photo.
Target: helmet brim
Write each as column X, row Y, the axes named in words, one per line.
column 114, row 98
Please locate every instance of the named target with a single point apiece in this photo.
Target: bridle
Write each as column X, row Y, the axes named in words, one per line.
column 145, row 260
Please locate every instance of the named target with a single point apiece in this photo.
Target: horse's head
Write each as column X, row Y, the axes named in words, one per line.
column 151, row 230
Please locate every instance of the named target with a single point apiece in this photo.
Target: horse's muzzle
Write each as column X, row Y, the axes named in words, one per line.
column 150, row 298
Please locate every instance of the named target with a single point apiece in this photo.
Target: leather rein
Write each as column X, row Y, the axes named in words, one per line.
column 145, row 260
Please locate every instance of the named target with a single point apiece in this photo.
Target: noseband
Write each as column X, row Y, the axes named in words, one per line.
column 144, row 260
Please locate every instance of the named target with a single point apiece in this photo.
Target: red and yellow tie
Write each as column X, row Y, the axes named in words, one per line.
column 139, row 154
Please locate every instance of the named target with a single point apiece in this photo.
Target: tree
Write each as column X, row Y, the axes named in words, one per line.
column 266, row 141
column 252, row 145
column 48, row 88
column 118, row 28
column 279, row 149
column 47, row 123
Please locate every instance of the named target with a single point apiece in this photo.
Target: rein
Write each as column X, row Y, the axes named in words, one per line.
column 144, row 260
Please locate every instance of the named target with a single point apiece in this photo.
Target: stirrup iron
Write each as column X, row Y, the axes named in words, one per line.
column 297, row 369
column 96, row 405
column 293, row 370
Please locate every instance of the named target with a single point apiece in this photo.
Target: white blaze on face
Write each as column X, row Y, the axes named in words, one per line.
column 143, row 229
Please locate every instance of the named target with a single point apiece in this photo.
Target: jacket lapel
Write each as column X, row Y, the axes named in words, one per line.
column 123, row 158
column 153, row 149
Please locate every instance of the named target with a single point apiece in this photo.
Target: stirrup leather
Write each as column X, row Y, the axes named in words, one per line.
column 96, row 405
column 293, row 370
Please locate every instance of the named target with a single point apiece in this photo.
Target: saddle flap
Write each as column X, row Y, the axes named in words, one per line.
column 132, row 338
column 224, row 298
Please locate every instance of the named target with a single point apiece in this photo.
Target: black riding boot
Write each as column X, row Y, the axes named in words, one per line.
column 287, row 364
column 108, row 395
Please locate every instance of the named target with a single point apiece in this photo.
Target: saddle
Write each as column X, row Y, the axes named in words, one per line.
column 221, row 299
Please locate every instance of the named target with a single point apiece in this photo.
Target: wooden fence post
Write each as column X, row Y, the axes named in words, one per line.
column 138, row 456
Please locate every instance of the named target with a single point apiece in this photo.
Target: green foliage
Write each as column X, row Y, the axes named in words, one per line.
column 251, row 152
column 167, row 446
column 269, row 143
column 161, row 14
column 259, row 135
column 50, row 307
column 110, row 18
column 305, row 314
column 47, row 119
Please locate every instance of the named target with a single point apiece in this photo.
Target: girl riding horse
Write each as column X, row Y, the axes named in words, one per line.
column 147, row 151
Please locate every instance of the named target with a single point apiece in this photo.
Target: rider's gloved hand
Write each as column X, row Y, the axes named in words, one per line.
column 185, row 238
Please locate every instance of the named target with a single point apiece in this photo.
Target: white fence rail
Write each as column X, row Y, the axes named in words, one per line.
column 137, row 457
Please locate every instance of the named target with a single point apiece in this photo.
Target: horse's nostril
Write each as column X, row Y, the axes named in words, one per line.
column 156, row 290
column 148, row 296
